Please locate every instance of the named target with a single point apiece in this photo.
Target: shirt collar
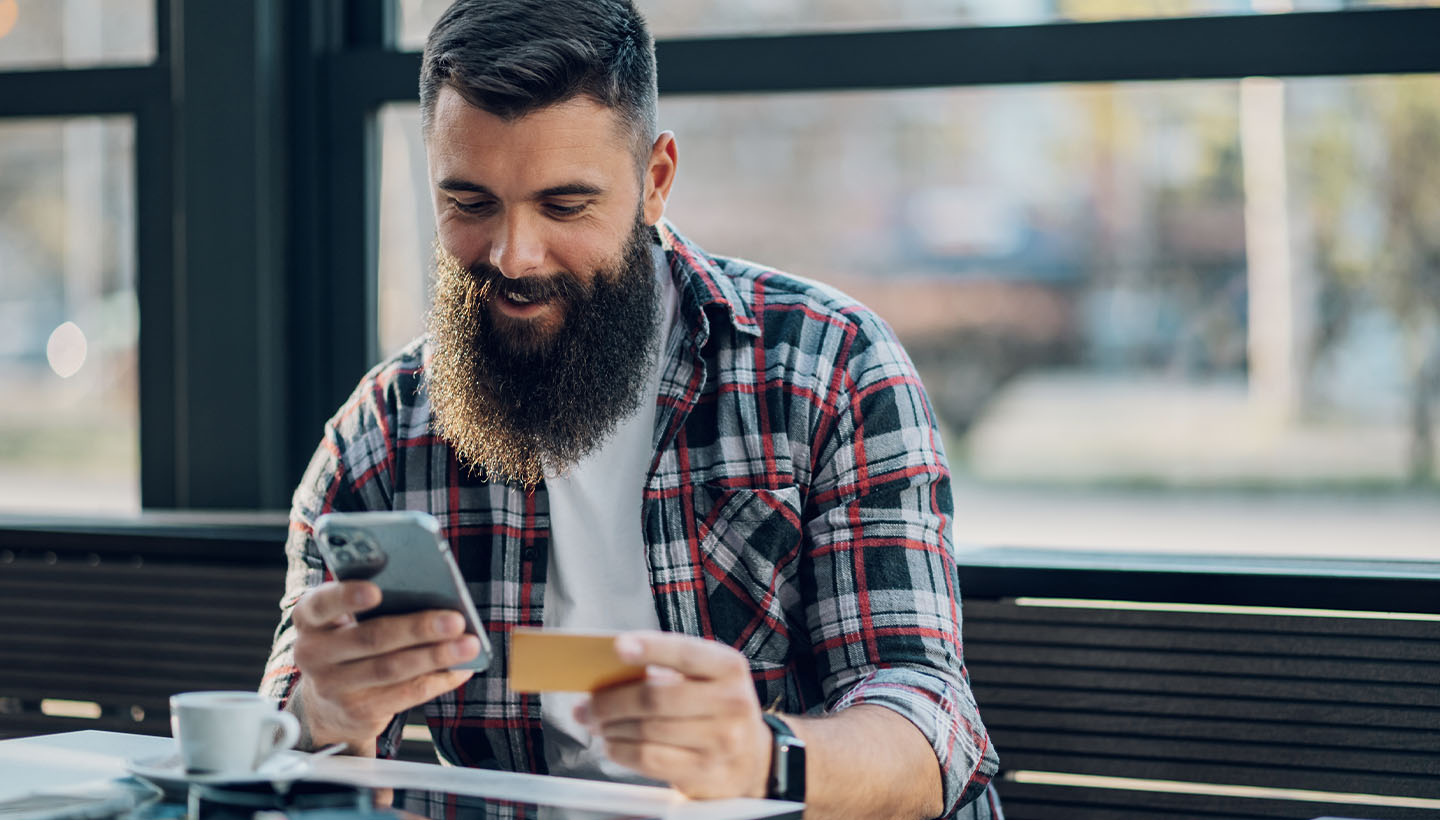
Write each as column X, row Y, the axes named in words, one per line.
column 705, row 290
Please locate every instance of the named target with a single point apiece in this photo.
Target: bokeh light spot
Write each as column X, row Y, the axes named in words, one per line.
column 66, row 350
column 9, row 13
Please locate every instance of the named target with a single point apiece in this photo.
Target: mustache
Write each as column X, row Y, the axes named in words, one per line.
column 489, row 282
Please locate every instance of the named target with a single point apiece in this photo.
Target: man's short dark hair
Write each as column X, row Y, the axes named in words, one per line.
column 513, row 57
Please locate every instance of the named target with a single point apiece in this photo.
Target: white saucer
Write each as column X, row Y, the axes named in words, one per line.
column 168, row 771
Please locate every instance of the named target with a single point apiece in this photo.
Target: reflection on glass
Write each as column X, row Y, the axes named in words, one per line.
column 68, row 318
column 75, row 33
column 690, row 18
column 1112, row 293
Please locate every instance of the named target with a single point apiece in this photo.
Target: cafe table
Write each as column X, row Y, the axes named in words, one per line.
column 86, row 774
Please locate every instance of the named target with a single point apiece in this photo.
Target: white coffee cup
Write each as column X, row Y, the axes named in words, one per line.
column 229, row 733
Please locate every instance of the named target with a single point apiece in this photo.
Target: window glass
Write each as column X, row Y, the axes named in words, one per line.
column 74, row 33
column 407, row 228
column 690, row 18
column 68, row 320
column 1190, row 315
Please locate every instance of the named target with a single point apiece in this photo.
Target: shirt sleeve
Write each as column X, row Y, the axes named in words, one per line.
column 327, row 486
column 884, row 608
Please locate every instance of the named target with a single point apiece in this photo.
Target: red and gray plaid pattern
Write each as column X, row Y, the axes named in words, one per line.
column 798, row 509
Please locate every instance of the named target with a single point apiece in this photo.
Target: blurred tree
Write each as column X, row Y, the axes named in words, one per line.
column 1385, row 152
column 1409, row 109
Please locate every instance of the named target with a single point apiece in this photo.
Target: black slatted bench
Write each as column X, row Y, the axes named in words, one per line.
column 1109, row 696
column 101, row 622
column 111, row 622
column 1121, row 710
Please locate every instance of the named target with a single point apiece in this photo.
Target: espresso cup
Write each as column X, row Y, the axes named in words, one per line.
column 229, row 733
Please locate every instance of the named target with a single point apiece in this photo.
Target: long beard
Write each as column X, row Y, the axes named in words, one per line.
column 512, row 398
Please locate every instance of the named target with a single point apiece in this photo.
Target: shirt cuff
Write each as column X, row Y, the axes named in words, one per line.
column 947, row 716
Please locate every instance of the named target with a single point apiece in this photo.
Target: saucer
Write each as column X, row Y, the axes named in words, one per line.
column 168, row 771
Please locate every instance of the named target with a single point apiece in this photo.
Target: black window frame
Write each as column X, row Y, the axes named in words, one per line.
column 257, row 179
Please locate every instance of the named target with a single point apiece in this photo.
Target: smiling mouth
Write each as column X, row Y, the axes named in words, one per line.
column 522, row 306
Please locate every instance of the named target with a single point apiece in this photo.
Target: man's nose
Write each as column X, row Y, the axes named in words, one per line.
column 516, row 250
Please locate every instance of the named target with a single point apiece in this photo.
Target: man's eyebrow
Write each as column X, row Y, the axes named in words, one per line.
column 457, row 184
column 570, row 189
column 567, row 189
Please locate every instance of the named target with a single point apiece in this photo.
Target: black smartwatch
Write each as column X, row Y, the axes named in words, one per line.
column 787, row 762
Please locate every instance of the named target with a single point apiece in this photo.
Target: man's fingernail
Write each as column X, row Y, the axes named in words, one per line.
column 466, row 648
column 362, row 596
column 449, row 623
column 629, row 648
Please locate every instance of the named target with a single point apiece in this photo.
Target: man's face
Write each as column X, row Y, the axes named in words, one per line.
column 550, row 193
column 545, row 297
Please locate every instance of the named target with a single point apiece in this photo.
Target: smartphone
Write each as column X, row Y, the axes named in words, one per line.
column 403, row 553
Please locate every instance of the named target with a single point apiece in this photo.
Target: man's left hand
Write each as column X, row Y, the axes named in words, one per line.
column 694, row 721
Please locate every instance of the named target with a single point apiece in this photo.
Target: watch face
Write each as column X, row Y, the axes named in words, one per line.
column 787, row 764
column 790, row 769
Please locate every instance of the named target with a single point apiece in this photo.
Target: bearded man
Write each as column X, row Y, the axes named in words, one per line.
column 734, row 468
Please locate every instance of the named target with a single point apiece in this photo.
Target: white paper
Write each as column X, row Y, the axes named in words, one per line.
column 51, row 763
column 47, row 764
column 564, row 792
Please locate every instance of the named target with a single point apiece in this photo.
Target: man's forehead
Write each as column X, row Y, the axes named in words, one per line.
column 579, row 123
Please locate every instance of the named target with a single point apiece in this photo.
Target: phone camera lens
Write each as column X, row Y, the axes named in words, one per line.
column 338, row 541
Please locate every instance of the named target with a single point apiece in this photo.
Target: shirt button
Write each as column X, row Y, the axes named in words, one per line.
column 528, row 554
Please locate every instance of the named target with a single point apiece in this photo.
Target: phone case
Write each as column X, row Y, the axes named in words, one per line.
column 403, row 553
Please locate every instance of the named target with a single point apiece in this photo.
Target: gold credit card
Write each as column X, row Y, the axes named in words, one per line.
column 549, row 660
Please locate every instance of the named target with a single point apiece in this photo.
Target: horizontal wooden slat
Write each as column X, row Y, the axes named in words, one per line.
column 980, row 652
column 25, row 596
column 1003, row 573
column 39, row 578
column 157, row 541
column 26, row 725
column 1298, row 744
column 1281, row 716
column 80, row 629
column 58, row 655
column 980, row 611
column 1030, row 801
column 158, row 611
column 81, row 569
column 1202, row 638
column 45, row 675
column 995, row 677
column 148, row 692
column 1239, row 763
column 141, row 652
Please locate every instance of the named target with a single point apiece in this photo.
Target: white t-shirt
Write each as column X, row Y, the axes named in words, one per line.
column 597, row 576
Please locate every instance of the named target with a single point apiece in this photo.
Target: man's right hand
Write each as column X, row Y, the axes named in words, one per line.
column 355, row 676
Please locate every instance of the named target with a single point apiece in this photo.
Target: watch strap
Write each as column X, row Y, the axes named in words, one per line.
column 787, row 762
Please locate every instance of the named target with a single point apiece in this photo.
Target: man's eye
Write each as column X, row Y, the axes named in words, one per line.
column 474, row 207
column 556, row 209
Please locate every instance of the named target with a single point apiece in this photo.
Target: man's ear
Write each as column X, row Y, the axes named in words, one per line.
column 659, row 176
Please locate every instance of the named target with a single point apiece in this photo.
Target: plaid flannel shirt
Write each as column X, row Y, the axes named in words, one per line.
column 797, row 508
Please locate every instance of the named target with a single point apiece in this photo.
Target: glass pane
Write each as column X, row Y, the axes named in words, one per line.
column 68, row 320
column 407, row 227
column 1189, row 315
column 74, row 33
column 689, row 18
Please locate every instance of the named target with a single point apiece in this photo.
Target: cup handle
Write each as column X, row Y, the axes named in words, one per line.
column 287, row 732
